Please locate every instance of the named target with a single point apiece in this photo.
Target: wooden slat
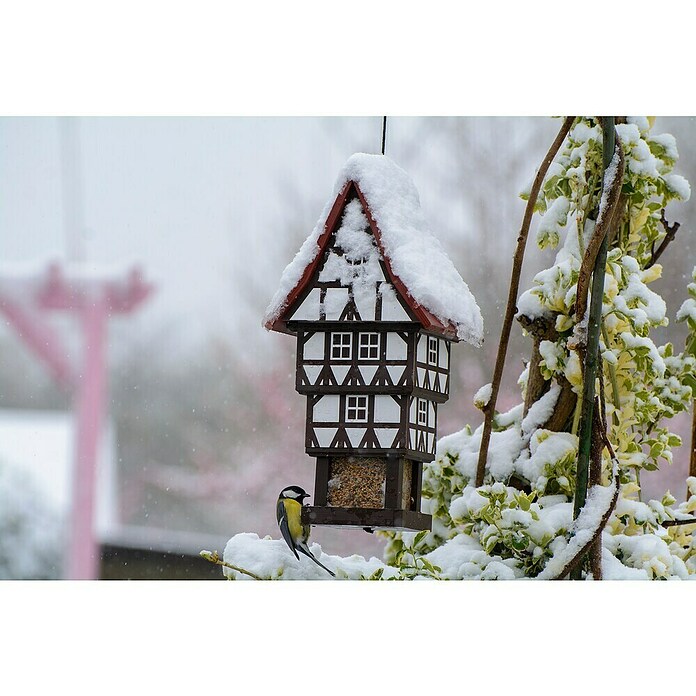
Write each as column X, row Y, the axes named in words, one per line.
column 417, row 484
column 361, row 518
column 355, row 325
column 321, row 481
column 394, row 482
column 368, row 452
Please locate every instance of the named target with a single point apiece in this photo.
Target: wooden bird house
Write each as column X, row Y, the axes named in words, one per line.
column 375, row 304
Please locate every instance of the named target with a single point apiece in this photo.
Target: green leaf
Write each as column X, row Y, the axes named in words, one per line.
column 420, row 536
column 657, row 449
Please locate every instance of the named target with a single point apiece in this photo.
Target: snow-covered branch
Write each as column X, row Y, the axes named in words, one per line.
column 608, row 209
column 586, row 529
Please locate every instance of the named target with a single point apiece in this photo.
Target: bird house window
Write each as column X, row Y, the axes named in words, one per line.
column 432, row 350
column 369, row 346
column 422, row 412
column 341, row 346
column 356, row 409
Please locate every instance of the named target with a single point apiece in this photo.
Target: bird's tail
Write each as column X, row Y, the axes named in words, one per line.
column 305, row 550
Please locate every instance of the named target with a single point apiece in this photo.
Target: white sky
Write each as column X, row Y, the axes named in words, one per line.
column 186, row 197
column 194, row 200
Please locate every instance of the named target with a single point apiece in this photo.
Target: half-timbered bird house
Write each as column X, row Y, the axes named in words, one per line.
column 375, row 304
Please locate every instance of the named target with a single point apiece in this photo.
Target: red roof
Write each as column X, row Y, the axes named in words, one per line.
column 351, row 189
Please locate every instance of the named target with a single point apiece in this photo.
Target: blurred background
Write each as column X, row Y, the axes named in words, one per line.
column 202, row 426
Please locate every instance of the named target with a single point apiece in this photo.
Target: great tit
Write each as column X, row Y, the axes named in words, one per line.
column 289, row 514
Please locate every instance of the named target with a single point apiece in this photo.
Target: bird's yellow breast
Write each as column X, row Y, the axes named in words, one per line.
column 294, row 512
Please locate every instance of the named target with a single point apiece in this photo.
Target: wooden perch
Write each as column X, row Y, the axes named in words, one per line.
column 213, row 557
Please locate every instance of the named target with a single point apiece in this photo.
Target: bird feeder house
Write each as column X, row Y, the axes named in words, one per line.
column 375, row 305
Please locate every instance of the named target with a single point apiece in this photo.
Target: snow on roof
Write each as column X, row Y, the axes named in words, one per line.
column 415, row 256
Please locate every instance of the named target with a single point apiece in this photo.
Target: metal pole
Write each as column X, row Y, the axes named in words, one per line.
column 591, row 355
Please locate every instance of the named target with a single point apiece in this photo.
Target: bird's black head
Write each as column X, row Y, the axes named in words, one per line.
column 295, row 493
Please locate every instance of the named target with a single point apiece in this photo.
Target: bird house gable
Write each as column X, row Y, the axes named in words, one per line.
column 351, row 277
column 371, row 257
column 353, row 280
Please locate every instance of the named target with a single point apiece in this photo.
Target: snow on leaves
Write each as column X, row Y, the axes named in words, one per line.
column 519, row 524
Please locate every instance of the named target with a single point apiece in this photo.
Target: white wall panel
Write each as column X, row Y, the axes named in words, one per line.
column 422, row 349
column 386, row 410
column 340, row 372
column 355, row 435
column 312, row 372
column 335, row 302
column 391, row 307
column 386, row 436
column 368, row 372
column 365, row 298
column 442, row 362
column 324, row 436
column 314, row 347
column 309, row 309
column 396, row 347
column 326, row 409
column 395, row 372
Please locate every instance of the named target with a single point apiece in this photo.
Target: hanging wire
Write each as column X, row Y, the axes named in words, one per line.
column 384, row 132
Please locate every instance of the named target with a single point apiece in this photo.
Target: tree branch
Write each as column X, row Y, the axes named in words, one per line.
column 600, row 437
column 213, row 557
column 511, row 309
column 575, row 561
column 541, row 329
column 671, row 232
column 674, row 523
column 692, row 458
column 588, row 347
column 602, row 228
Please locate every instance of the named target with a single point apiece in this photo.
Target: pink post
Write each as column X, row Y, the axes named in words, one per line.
column 83, row 561
column 93, row 301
